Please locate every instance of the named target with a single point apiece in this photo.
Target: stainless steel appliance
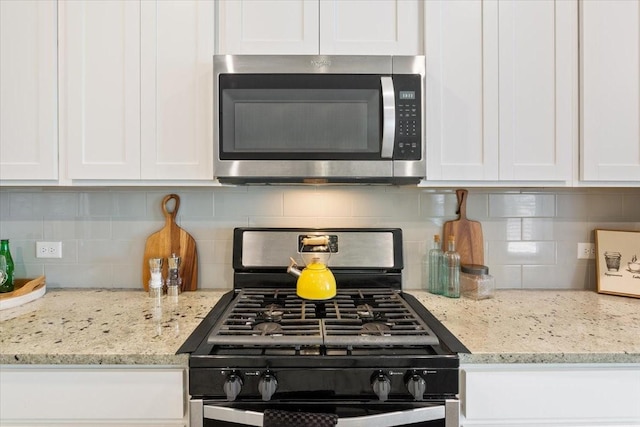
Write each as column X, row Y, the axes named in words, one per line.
column 372, row 355
column 319, row 119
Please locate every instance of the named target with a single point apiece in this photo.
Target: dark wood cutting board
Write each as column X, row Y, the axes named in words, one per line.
column 468, row 234
column 169, row 240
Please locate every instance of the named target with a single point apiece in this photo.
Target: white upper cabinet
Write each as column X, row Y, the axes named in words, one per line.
column 100, row 88
column 135, row 94
column 328, row 27
column 177, row 89
column 268, row 26
column 502, row 86
column 610, row 90
column 28, row 85
column 381, row 27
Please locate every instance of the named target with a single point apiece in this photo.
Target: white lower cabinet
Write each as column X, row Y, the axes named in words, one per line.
column 550, row 395
column 82, row 396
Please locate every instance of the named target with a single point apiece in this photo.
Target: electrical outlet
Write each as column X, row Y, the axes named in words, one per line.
column 586, row 251
column 48, row 249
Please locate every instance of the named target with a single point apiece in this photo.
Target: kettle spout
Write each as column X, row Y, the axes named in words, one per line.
column 293, row 268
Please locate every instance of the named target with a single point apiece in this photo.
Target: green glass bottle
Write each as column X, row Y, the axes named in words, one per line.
column 8, row 266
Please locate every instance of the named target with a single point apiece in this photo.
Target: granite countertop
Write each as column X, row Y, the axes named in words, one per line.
column 100, row 326
column 542, row 326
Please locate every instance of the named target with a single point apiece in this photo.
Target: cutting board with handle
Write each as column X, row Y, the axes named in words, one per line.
column 468, row 234
column 169, row 240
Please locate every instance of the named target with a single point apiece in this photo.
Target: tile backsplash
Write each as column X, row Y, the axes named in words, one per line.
column 530, row 235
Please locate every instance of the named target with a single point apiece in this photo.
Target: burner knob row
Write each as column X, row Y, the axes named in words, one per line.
column 381, row 384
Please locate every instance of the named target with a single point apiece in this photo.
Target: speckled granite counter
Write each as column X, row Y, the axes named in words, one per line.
column 101, row 327
column 542, row 326
column 121, row 327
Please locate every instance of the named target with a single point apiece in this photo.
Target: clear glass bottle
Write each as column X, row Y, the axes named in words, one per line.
column 435, row 260
column 451, row 270
column 7, row 282
column 155, row 283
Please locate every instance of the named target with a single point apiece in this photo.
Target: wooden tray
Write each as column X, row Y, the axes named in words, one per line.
column 25, row 290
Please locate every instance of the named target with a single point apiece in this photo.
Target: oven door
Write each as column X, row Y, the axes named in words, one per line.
column 443, row 413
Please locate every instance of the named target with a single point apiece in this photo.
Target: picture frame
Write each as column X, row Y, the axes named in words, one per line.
column 618, row 262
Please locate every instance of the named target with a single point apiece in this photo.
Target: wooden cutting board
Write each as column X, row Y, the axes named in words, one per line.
column 468, row 234
column 169, row 240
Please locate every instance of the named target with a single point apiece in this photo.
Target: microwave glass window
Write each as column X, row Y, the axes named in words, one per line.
column 319, row 123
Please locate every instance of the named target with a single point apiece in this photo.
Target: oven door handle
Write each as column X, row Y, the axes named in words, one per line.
column 395, row 418
column 388, row 116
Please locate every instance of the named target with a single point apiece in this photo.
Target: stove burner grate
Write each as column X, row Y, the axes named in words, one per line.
column 361, row 317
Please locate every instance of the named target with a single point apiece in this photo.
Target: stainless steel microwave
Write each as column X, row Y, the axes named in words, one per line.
column 319, row 119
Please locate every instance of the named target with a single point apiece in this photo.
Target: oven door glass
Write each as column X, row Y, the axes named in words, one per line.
column 426, row 414
column 301, row 117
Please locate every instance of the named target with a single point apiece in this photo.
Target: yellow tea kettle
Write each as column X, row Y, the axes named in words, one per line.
column 315, row 281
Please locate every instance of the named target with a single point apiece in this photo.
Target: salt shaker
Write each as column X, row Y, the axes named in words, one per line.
column 155, row 283
column 174, row 281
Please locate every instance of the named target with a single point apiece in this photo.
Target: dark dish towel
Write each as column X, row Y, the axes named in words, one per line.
column 273, row 418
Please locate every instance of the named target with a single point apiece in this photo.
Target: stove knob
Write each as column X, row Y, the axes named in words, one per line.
column 416, row 386
column 232, row 386
column 381, row 385
column 267, row 385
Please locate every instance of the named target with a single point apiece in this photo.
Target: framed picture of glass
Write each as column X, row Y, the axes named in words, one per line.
column 618, row 262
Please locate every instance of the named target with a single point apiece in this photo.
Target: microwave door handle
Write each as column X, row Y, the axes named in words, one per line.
column 388, row 117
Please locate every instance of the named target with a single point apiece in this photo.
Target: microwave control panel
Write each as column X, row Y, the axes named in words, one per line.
column 408, row 140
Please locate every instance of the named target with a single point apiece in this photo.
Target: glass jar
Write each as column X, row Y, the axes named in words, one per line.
column 476, row 282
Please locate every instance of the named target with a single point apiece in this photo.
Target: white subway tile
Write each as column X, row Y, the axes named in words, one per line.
column 555, row 277
column 521, row 205
column 523, row 253
column 95, row 204
column 60, row 205
column 129, row 204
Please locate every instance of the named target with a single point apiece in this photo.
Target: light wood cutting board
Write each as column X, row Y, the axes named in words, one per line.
column 468, row 234
column 169, row 240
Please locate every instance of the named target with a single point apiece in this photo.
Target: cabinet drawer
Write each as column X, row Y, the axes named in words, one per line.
column 551, row 393
column 91, row 394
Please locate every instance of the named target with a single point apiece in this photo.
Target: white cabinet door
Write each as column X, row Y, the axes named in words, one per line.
column 610, row 97
column 92, row 395
column 268, row 27
column 550, row 395
column 461, row 92
column 100, row 88
column 177, row 89
column 328, row 27
column 28, row 90
column 381, row 27
column 136, row 89
column 501, row 90
column 538, row 87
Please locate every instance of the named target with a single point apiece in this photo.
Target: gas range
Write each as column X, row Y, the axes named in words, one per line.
column 371, row 346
